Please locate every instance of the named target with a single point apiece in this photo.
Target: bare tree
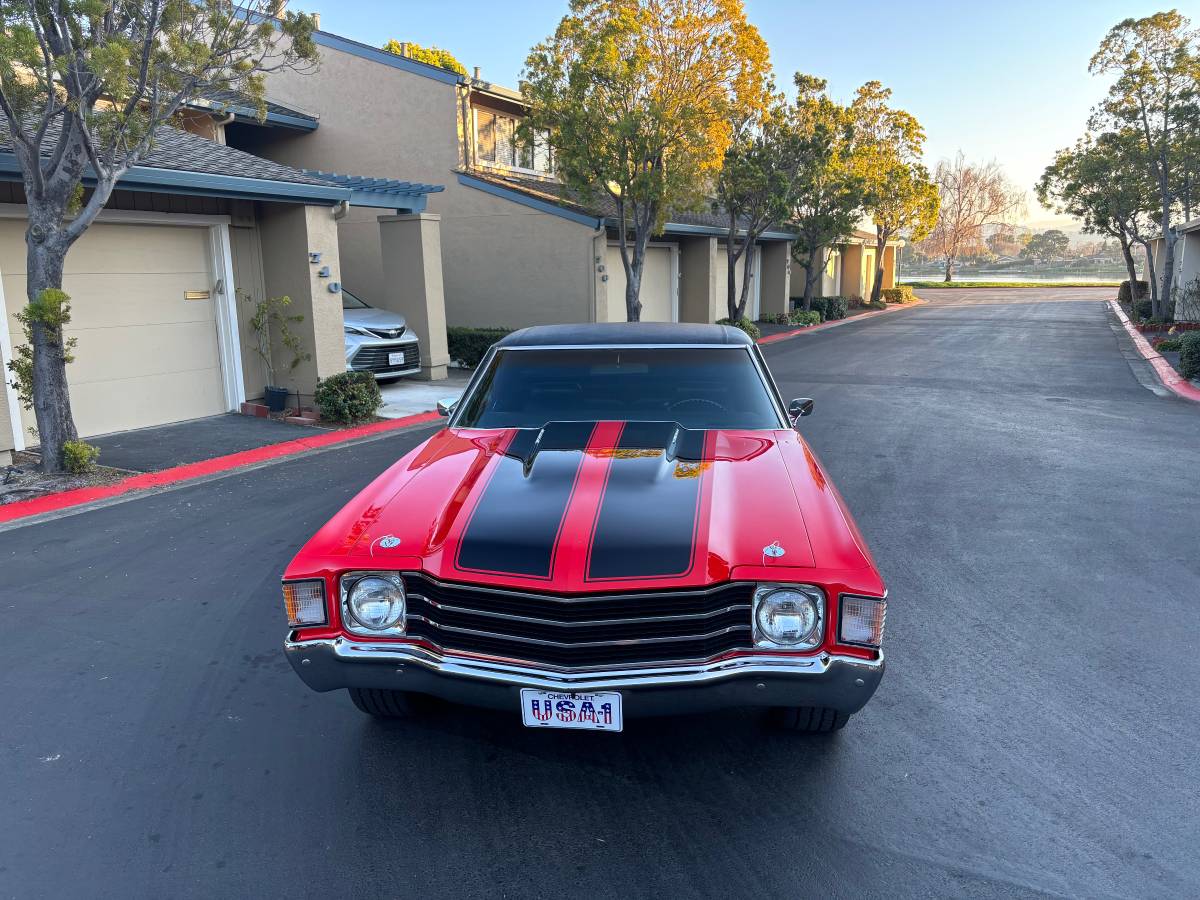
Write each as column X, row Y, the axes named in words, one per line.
column 973, row 197
column 84, row 86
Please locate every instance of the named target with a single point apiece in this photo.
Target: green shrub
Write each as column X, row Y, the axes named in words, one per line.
column 800, row 317
column 348, row 397
column 775, row 318
column 900, row 294
column 1143, row 290
column 877, row 304
column 743, row 323
column 817, row 303
column 468, row 346
column 1167, row 345
column 1143, row 309
column 1189, row 355
column 834, row 307
column 79, row 457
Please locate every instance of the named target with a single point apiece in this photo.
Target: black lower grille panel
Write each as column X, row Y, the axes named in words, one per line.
column 377, row 358
column 581, row 631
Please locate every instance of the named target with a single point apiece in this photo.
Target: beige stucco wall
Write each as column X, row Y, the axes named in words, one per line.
column 852, row 270
column 6, row 422
column 698, row 280
column 245, row 248
column 505, row 264
column 287, row 234
column 375, row 120
column 412, row 261
column 889, row 267
column 775, row 287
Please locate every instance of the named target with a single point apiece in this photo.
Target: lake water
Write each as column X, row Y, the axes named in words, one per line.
column 1017, row 276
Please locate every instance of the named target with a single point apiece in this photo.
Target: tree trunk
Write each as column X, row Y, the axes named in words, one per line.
column 949, row 270
column 1131, row 267
column 1164, row 292
column 747, row 275
column 811, row 273
column 1169, row 237
column 731, row 305
column 1160, row 310
column 51, row 399
column 880, row 248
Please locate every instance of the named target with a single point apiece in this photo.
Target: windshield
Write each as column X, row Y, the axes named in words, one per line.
column 697, row 387
column 349, row 301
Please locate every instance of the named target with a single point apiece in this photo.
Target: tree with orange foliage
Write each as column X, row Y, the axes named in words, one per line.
column 637, row 98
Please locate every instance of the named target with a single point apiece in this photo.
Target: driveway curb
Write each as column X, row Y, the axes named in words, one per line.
column 1166, row 373
column 788, row 335
column 204, row 468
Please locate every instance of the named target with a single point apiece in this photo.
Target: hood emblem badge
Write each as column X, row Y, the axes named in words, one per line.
column 773, row 550
column 387, row 542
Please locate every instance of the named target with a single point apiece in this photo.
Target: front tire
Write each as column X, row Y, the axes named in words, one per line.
column 809, row 719
column 385, row 704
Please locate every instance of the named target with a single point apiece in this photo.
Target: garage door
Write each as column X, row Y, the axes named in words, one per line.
column 752, row 301
column 146, row 354
column 658, row 293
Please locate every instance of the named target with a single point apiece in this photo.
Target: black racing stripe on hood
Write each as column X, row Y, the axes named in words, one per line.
column 646, row 524
column 514, row 527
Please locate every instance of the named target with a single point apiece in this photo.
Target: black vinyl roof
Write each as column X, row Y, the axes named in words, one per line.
column 604, row 334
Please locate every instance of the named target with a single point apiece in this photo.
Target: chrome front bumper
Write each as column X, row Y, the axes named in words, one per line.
column 836, row 682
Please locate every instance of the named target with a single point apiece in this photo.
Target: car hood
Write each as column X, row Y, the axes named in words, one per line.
column 381, row 319
column 598, row 506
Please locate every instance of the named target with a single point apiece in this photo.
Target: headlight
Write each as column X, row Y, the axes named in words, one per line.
column 788, row 616
column 374, row 601
column 304, row 602
column 860, row 620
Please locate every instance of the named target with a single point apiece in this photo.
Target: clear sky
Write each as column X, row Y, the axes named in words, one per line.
column 1007, row 81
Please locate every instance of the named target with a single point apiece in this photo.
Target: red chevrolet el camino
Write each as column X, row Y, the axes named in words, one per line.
column 617, row 521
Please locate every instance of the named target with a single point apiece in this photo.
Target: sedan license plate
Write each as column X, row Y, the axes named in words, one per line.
column 599, row 711
column 395, row 359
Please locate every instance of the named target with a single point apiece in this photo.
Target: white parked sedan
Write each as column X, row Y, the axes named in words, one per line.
column 378, row 340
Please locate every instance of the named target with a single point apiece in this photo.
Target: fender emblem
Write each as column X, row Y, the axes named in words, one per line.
column 773, row 550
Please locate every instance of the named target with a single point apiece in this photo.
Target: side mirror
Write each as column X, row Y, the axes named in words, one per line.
column 802, row 406
column 445, row 406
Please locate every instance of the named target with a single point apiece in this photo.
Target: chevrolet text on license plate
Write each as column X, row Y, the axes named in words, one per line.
column 599, row 711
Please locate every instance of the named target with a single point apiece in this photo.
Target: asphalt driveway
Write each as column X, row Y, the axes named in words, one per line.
column 1033, row 508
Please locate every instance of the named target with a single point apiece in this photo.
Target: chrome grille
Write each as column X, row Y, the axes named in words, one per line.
column 581, row 631
column 374, row 358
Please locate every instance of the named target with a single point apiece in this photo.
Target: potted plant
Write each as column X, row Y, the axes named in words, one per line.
column 271, row 316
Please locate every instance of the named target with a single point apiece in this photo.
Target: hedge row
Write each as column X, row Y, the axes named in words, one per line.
column 900, row 294
column 468, row 346
column 829, row 307
column 743, row 323
column 1143, row 290
column 1189, row 355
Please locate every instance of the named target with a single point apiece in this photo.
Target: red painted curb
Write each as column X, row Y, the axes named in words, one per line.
column 833, row 323
column 1171, row 379
column 189, row 471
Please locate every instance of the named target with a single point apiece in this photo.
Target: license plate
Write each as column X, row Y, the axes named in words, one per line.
column 600, row 711
column 395, row 359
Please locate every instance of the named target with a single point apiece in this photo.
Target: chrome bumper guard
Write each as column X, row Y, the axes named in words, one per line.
column 837, row 682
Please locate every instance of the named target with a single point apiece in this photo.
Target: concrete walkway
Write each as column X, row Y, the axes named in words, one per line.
column 408, row 396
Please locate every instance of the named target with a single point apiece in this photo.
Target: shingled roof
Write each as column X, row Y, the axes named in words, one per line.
column 182, row 151
column 179, row 161
column 554, row 192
